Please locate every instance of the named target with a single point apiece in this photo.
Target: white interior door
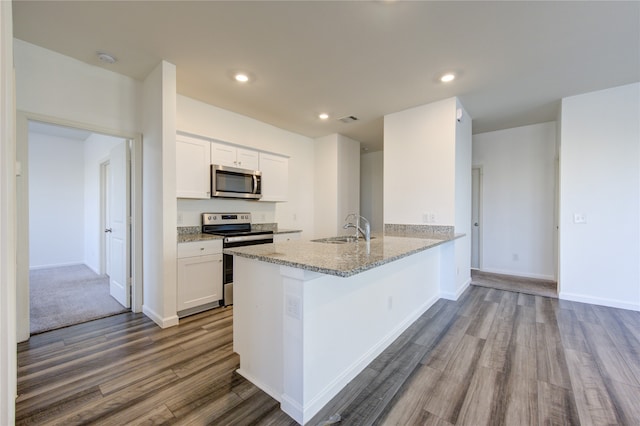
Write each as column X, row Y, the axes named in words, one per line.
column 119, row 259
column 476, row 176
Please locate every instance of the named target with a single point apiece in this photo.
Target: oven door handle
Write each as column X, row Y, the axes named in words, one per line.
column 241, row 239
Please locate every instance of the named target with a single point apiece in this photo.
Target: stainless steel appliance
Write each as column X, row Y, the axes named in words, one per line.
column 231, row 182
column 237, row 232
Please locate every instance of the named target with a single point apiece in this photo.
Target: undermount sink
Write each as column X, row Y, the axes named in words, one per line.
column 339, row 240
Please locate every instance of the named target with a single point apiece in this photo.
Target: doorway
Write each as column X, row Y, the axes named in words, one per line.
column 67, row 281
column 476, row 218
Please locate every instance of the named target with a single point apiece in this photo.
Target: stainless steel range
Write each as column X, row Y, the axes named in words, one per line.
column 237, row 232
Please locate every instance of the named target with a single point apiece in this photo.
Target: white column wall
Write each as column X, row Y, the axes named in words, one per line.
column 518, row 200
column 8, row 365
column 462, row 225
column 337, row 183
column 371, row 192
column 159, row 196
column 419, row 164
column 325, row 184
column 600, row 180
column 348, row 189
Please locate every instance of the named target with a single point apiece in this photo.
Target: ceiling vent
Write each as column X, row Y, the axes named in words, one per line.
column 348, row 119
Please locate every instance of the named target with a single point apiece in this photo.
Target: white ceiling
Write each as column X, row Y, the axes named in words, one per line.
column 514, row 60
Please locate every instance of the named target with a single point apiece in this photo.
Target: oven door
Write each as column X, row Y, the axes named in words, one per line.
column 227, row 261
column 231, row 182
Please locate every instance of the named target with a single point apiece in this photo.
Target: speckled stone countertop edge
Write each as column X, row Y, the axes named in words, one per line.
column 191, row 234
column 343, row 273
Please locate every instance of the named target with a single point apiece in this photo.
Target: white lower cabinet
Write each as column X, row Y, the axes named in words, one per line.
column 199, row 275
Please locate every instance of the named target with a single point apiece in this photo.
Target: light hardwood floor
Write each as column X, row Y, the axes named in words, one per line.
column 492, row 358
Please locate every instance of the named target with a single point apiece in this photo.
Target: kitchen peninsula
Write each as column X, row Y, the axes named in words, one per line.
column 310, row 315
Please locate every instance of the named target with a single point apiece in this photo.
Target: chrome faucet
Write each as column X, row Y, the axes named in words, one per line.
column 366, row 232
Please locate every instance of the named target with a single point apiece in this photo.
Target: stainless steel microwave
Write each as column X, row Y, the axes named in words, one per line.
column 231, row 182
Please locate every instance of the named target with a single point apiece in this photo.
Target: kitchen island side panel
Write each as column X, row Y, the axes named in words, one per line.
column 302, row 336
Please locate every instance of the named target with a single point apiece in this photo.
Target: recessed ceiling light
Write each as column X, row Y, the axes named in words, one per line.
column 105, row 57
column 241, row 77
column 447, row 77
column 323, row 116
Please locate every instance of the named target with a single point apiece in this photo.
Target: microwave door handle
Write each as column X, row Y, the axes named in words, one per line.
column 255, row 184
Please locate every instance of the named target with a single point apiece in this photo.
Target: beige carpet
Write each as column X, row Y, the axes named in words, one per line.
column 517, row 284
column 68, row 295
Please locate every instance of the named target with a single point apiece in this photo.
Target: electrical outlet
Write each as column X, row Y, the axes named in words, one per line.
column 180, row 219
column 579, row 218
column 294, row 306
column 428, row 217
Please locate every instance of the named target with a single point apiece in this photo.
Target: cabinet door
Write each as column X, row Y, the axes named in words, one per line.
column 199, row 281
column 275, row 177
column 223, row 155
column 247, row 159
column 192, row 167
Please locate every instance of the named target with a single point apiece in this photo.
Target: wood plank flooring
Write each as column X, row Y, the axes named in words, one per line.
column 492, row 358
column 536, row 287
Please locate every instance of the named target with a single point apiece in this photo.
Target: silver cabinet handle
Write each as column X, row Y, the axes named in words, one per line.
column 108, row 230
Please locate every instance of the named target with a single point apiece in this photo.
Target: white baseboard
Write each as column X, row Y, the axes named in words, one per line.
column 454, row 296
column 518, row 274
column 268, row 389
column 612, row 303
column 162, row 322
column 336, row 385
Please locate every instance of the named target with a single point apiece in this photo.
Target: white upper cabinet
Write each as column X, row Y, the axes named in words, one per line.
column 192, row 167
column 232, row 156
column 275, row 177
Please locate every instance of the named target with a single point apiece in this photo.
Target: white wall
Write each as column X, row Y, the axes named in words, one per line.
column 348, row 190
column 159, row 177
column 337, row 183
column 463, row 156
column 419, row 165
column 56, row 201
column 7, row 220
column 325, row 184
column 371, row 183
column 97, row 149
column 212, row 122
column 55, row 85
column 518, row 200
column 600, row 179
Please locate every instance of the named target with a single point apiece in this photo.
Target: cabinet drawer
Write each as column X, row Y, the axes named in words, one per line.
column 199, row 248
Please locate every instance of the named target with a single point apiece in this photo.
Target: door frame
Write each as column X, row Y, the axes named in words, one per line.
column 104, row 216
column 22, row 211
column 480, row 176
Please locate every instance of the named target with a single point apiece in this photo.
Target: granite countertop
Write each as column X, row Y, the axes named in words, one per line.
column 342, row 260
column 194, row 238
column 191, row 234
